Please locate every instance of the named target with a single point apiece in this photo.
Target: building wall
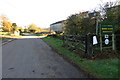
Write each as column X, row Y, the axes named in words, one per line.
column 57, row 27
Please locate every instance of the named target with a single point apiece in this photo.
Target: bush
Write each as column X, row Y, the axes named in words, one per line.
column 8, row 34
column 52, row 35
column 117, row 40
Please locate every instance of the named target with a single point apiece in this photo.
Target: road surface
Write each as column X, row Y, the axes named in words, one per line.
column 33, row 58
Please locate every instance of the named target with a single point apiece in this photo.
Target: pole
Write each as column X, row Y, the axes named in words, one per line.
column 86, row 44
column 100, row 40
column 96, row 25
column 101, row 43
column 96, row 21
column 113, row 42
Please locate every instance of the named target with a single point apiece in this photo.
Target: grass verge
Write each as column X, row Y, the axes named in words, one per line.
column 106, row 68
column 2, row 39
column 36, row 34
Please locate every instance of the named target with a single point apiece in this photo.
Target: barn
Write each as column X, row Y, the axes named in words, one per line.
column 57, row 26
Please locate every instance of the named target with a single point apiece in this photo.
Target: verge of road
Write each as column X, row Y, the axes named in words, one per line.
column 88, row 74
column 7, row 40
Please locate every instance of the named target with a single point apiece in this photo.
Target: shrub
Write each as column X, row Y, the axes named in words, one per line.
column 117, row 40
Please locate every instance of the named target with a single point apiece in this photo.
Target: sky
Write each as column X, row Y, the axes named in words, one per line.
column 44, row 12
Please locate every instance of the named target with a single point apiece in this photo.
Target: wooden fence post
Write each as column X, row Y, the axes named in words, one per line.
column 113, row 42
column 101, row 43
column 63, row 39
column 89, row 46
column 86, row 44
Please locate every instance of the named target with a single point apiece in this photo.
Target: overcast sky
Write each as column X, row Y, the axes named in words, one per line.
column 44, row 12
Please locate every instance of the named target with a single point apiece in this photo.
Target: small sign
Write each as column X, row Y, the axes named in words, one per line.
column 106, row 36
column 106, row 41
column 95, row 40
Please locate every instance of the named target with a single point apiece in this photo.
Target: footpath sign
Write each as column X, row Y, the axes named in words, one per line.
column 107, row 36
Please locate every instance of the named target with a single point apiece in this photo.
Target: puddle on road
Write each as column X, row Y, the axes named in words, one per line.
column 11, row 68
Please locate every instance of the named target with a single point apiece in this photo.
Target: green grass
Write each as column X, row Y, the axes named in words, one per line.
column 5, row 33
column 106, row 68
column 0, row 39
column 22, row 34
column 36, row 34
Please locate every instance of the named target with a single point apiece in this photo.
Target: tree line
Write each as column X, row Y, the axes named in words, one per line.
column 7, row 26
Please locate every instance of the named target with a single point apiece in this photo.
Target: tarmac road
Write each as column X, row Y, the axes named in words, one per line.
column 33, row 58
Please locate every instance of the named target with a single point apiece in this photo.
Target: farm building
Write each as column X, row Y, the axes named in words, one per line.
column 57, row 26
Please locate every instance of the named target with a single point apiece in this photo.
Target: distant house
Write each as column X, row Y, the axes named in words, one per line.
column 57, row 26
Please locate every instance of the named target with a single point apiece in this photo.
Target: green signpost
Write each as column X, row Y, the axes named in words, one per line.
column 107, row 29
column 106, row 32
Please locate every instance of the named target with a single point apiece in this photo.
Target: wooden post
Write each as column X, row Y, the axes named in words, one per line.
column 63, row 39
column 101, row 43
column 100, row 40
column 97, row 25
column 89, row 46
column 91, row 37
column 113, row 42
column 86, row 44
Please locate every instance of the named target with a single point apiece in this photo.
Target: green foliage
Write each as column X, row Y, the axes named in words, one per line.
column 33, row 28
column 22, row 34
column 79, row 24
column 8, row 34
column 117, row 39
column 0, row 39
column 37, row 34
column 14, row 24
column 113, row 16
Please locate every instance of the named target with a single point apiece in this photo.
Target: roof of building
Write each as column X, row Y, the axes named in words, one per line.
column 57, row 22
